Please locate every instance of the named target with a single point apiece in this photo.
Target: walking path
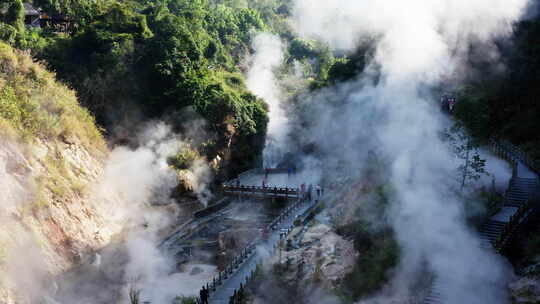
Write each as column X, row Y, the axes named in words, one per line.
column 520, row 201
column 263, row 251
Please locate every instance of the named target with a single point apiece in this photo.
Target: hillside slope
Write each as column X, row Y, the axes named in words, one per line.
column 50, row 153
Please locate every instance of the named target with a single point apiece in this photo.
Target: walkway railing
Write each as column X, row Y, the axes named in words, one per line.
column 250, row 249
column 514, row 154
column 513, row 224
column 505, row 153
column 265, row 191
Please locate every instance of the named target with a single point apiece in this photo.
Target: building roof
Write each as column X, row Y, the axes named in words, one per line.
column 29, row 10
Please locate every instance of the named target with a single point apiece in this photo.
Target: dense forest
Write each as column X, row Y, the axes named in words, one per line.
column 179, row 60
column 495, row 103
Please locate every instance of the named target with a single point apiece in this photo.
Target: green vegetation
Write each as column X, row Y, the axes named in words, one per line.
column 504, row 104
column 14, row 14
column 35, row 110
column 140, row 60
column 379, row 254
column 378, row 250
column 156, row 58
column 33, row 105
column 184, row 159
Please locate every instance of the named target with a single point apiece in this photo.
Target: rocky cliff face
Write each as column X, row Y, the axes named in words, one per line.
column 51, row 154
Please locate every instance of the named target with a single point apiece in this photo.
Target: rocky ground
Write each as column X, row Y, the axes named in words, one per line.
column 526, row 289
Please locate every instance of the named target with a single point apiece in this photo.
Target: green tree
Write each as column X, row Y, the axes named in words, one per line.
column 465, row 149
column 14, row 14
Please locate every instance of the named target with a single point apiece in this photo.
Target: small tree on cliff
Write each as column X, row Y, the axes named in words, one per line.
column 466, row 150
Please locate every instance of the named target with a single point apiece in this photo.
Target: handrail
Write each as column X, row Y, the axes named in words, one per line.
column 260, row 189
column 515, row 153
column 249, row 250
column 513, row 224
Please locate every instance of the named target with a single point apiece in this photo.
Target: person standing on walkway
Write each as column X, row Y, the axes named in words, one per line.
column 204, row 295
column 240, row 294
column 318, row 191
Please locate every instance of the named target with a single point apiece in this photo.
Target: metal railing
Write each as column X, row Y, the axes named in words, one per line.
column 250, row 249
column 513, row 224
column 514, row 154
column 265, row 191
column 504, row 153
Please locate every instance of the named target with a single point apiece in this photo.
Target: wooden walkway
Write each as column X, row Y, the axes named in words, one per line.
column 262, row 251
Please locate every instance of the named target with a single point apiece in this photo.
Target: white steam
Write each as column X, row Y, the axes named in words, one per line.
column 419, row 44
column 135, row 194
column 261, row 80
column 135, row 180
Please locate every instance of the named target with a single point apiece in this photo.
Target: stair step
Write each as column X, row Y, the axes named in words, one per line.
column 491, row 225
column 492, row 229
column 491, row 233
column 491, row 236
column 525, row 180
column 486, row 244
column 518, row 204
column 494, row 223
column 517, row 195
column 517, row 192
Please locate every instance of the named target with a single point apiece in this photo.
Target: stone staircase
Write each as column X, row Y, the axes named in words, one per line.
column 435, row 295
column 519, row 191
column 521, row 199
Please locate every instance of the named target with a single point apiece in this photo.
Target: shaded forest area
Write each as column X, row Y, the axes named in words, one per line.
column 504, row 103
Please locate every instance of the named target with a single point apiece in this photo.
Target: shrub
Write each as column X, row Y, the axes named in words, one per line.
column 184, row 159
column 379, row 254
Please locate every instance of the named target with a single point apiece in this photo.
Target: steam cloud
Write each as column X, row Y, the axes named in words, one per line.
column 262, row 81
column 138, row 179
column 133, row 198
column 420, row 43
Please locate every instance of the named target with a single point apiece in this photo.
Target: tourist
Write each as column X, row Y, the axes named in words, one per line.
column 204, row 295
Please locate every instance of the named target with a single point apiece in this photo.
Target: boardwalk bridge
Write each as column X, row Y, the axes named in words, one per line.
column 241, row 269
